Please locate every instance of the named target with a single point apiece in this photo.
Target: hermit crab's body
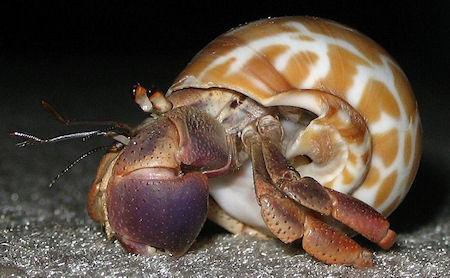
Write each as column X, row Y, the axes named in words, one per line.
column 270, row 119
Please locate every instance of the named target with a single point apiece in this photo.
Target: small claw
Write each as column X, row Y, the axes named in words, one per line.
column 149, row 212
column 332, row 246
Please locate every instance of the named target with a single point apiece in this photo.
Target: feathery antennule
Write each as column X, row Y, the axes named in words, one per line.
column 33, row 140
column 120, row 132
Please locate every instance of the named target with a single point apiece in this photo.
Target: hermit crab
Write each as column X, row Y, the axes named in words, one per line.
column 296, row 128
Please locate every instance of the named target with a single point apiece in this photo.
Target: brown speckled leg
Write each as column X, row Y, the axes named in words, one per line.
column 308, row 192
column 282, row 216
column 332, row 246
column 289, row 205
column 289, row 221
column 362, row 218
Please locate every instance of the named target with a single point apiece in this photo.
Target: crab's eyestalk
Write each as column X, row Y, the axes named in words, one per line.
column 152, row 100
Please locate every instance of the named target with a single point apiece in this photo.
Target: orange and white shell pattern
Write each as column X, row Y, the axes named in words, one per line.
column 363, row 100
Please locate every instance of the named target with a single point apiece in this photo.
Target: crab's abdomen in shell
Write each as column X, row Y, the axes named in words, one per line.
column 271, row 56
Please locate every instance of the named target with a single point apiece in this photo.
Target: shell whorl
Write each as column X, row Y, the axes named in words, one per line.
column 268, row 60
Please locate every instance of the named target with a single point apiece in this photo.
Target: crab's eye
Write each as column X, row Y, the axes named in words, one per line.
column 133, row 90
column 139, row 91
column 150, row 92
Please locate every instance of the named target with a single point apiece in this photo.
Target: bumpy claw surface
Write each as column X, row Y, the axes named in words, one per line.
column 163, row 213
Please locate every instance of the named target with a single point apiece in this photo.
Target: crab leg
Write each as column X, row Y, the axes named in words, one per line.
column 308, row 192
column 332, row 246
column 288, row 221
column 283, row 217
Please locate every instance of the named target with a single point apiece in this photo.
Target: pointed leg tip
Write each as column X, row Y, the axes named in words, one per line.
column 137, row 248
column 388, row 240
column 364, row 260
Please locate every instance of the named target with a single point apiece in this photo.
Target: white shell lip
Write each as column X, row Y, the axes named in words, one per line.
column 235, row 194
column 190, row 81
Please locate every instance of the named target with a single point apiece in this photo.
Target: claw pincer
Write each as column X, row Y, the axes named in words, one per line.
column 150, row 202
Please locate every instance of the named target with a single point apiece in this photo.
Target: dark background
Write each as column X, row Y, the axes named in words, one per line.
column 83, row 56
column 45, row 46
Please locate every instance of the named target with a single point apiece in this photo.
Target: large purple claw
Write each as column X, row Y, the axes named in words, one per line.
column 163, row 213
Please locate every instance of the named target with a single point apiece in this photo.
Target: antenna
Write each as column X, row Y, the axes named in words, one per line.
column 68, row 122
column 33, row 140
column 75, row 162
column 119, row 132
